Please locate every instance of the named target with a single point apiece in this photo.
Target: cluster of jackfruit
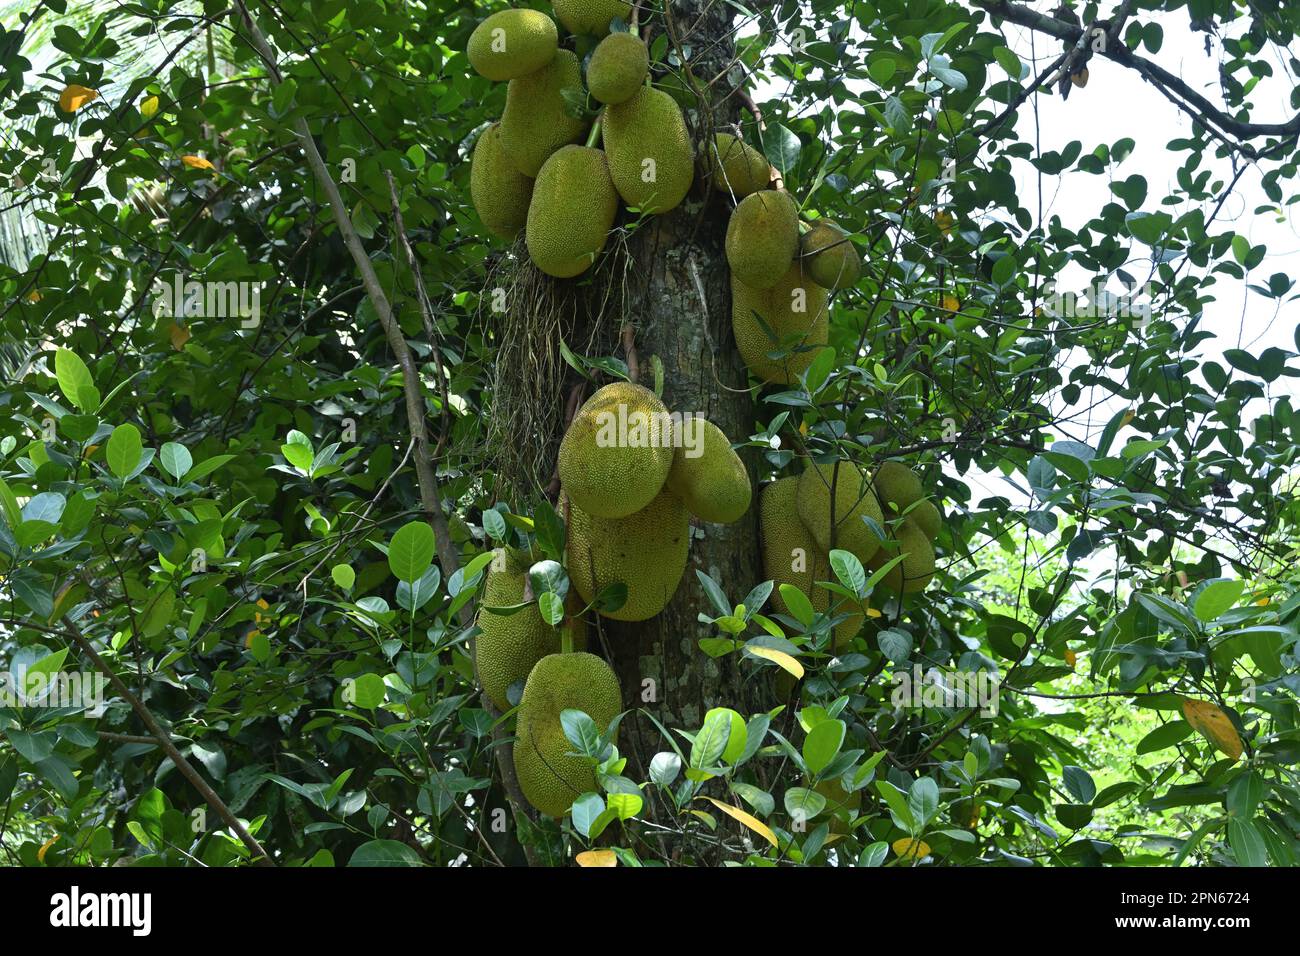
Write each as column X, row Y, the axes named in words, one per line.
column 529, row 171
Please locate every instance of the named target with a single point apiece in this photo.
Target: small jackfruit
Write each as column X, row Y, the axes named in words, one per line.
column 897, row 486
column 617, row 453
column 854, row 500
column 649, row 150
column 549, row 778
column 508, row 645
column 647, row 551
column 590, row 16
column 512, row 43
column 500, row 192
column 738, row 169
column 829, row 255
column 925, row 514
column 536, row 121
column 763, row 238
column 916, row 569
column 709, row 477
column 839, row 804
column 571, row 213
column 617, row 68
column 794, row 309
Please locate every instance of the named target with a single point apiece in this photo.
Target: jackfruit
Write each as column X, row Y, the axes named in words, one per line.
column 925, row 515
column 499, row 191
column 572, row 211
column 590, row 16
column 536, row 121
column 829, row 255
column 508, row 645
column 512, row 43
column 738, row 169
column 839, row 803
column 617, row 453
column 792, row 556
column 649, row 150
column 897, row 486
column 713, row 484
column 646, row 551
column 854, row 500
column 617, row 68
column 916, row 569
column 549, row 778
column 763, row 238
column 795, row 309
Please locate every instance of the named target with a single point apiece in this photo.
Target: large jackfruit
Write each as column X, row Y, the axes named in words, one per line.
column 763, row 238
column 794, row 309
column 617, row 453
column 854, row 499
column 536, row 121
column 647, row 551
column 590, row 16
column 916, row 569
column 737, row 168
column 508, row 645
column 829, row 255
column 549, row 778
column 617, row 68
column 792, row 556
column 499, row 191
column 709, row 477
column 897, row 486
column 926, row 516
column 649, row 150
column 571, row 213
column 512, row 43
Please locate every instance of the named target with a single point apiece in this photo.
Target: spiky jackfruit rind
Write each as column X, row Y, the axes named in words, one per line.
column 763, row 238
column 536, row 121
column 549, row 778
column 713, row 485
column 926, row 516
column 855, row 498
column 829, row 255
column 617, row 68
column 778, row 308
column 737, row 168
column 590, row 17
column 508, row 645
column 512, row 43
column 646, row 551
column 500, row 192
column 916, row 570
column 897, row 486
column 618, row 451
column 649, row 151
column 571, row 213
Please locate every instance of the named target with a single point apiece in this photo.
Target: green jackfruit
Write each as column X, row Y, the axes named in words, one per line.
column 737, row 168
column 925, row 515
column 512, row 43
column 713, row 484
column 649, row 151
column 854, row 500
column 590, row 16
column 646, row 551
column 793, row 309
column 536, row 121
column 840, row 803
column 508, row 645
column 916, row 569
column 763, row 238
column 897, row 486
column 499, row 191
column 829, row 255
column 548, row 776
column 617, row 68
column 617, row 453
column 572, row 211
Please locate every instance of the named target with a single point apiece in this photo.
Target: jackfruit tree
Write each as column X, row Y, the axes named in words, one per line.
column 683, row 432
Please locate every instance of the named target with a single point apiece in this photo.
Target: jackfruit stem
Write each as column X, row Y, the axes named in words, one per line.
column 595, row 130
column 566, row 637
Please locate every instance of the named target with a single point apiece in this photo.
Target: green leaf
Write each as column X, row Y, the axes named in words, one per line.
column 803, row 804
column 175, row 459
column 848, row 569
column 411, row 551
column 923, row 800
column 343, row 576
column 1246, row 842
column 797, row 602
column 711, row 741
column 1216, row 597
column 369, row 691
column 823, row 744
column 384, row 853
column 75, row 381
column 1170, row 734
column 124, row 449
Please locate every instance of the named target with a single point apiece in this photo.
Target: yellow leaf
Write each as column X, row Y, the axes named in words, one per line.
column 40, row 854
column 196, row 162
column 179, row 335
column 872, row 612
column 75, row 97
column 1081, row 78
column 34, row 296
column 1214, row 725
column 944, row 221
column 149, row 107
column 1071, row 658
column 781, row 659
column 950, row 303
column 755, row 824
column 1128, row 416
column 910, row 848
column 597, row 858
column 248, row 641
